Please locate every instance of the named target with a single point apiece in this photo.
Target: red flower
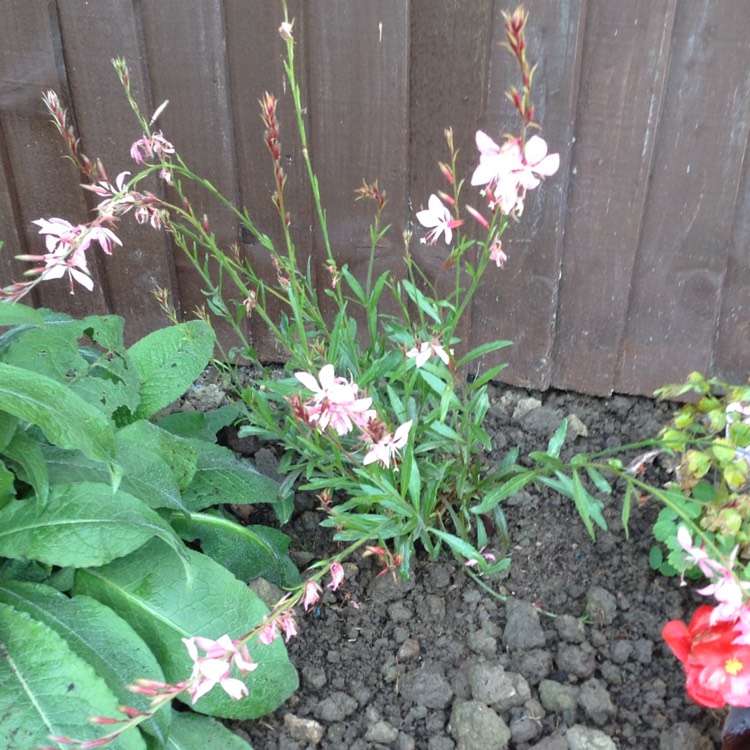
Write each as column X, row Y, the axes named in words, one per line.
column 718, row 669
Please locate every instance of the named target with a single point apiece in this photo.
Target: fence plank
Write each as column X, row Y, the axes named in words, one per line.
column 186, row 59
column 685, row 239
column 449, row 53
column 44, row 183
column 626, row 51
column 92, row 35
column 519, row 302
column 732, row 349
column 255, row 59
column 358, row 82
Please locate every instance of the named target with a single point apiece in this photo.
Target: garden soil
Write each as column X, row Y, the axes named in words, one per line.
column 561, row 653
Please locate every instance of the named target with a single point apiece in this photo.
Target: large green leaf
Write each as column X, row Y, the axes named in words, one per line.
column 14, row 314
column 65, row 418
column 83, row 524
column 246, row 551
column 169, row 361
column 190, row 731
column 149, row 589
column 26, row 453
column 98, row 636
column 45, row 689
column 223, row 478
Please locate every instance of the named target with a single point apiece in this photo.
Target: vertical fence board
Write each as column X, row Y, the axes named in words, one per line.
column 627, row 48
column 45, row 184
column 685, row 239
column 450, row 45
column 358, row 83
column 185, row 43
column 519, row 302
column 92, row 35
column 732, row 349
column 255, row 59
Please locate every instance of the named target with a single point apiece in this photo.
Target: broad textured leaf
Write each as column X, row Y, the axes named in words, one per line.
column 98, row 636
column 223, row 478
column 45, row 689
column 7, row 484
column 168, row 361
column 26, row 453
column 246, row 551
column 150, row 591
column 64, row 417
column 83, row 524
column 14, row 314
column 190, row 731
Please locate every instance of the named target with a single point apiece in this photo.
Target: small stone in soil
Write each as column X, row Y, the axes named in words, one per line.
column 475, row 726
column 522, row 629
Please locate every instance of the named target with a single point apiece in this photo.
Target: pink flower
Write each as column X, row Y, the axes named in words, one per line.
column 335, row 402
column 437, row 218
column 145, row 147
column 288, row 625
column 312, row 594
column 488, row 556
column 387, row 448
column 537, row 163
column 214, row 667
column 337, row 576
column 425, row 350
column 496, row 253
column 268, row 633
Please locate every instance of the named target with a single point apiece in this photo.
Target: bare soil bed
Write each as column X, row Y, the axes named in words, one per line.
column 562, row 653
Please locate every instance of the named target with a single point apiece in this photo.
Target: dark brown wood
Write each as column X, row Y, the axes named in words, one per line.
column 92, row 34
column 687, row 225
column 519, row 302
column 186, row 56
column 623, row 74
column 44, row 183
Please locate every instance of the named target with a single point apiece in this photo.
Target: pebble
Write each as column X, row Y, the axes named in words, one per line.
column 601, row 606
column 409, row 650
column 558, row 697
column 381, row 732
column 475, row 726
column 621, row 652
column 525, row 406
column 303, row 730
column 481, row 642
column 583, row 738
column 570, row 629
column 427, row 688
column 682, row 736
column 522, row 630
column 596, row 702
column 579, row 661
column 336, row 707
column 314, row 677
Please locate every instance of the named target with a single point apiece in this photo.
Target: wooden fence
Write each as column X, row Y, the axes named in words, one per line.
column 630, row 267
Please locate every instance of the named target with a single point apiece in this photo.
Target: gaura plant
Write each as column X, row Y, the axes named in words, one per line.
column 373, row 412
column 103, row 506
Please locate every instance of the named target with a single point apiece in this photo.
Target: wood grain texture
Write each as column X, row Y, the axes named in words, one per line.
column 44, row 183
column 92, row 34
column 519, row 302
column 687, row 228
column 623, row 74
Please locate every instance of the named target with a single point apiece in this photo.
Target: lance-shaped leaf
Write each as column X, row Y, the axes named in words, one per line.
column 83, row 524
column 64, row 417
column 169, row 361
column 246, row 551
column 46, row 689
column 98, row 636
column 149, row 589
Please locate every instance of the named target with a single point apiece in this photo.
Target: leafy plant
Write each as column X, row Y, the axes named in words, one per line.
column 104, row 509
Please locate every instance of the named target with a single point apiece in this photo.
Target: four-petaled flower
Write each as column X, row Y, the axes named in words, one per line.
column 146, row 147
column 426, row 349
column 335, row 402
column 437, row 218
column 215, row 666
column 386, row 449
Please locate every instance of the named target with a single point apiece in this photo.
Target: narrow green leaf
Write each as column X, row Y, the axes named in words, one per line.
column 626, row 503
column 485, row 377
column 496, row 495
column 463, row 549
column 169, row 361
column 480, row 351
column 45, row 689
column 557, row 440
column 65, row 418
column 190, row 731
column 83, row 524
column 423, row 303
column 599, row 481
column 98, row 636
column 149, row 590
